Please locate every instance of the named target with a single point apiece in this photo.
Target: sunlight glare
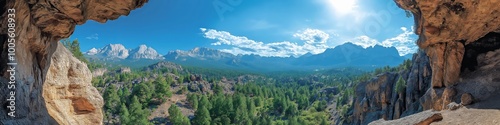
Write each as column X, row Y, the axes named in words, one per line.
column 343, row 7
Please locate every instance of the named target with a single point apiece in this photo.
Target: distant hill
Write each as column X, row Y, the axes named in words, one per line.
column 349, row 54
column 346, row 55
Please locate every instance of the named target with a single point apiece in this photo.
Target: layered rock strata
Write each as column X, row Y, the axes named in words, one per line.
column 52, row 87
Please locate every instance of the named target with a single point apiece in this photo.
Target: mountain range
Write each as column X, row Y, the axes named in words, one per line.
column 118, row 51
column 346, row 55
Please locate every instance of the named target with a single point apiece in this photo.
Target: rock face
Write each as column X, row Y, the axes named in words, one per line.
column 377, row 98
column 52, row 87
column 453, row 33
column 69, row 95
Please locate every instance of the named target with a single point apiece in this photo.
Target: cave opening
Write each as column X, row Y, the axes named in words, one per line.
column 489, row 42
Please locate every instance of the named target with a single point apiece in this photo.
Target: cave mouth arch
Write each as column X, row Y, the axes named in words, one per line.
column 489, row 42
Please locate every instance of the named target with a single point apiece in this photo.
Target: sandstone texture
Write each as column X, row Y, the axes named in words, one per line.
column 461, row 116
column 423, row 118
column 377, row 98
column 53, row 87
column 454, row 34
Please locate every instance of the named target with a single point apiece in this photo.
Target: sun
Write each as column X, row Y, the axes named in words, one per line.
column 343, row 7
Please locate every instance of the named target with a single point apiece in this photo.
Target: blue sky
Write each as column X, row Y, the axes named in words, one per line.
column 263, row 27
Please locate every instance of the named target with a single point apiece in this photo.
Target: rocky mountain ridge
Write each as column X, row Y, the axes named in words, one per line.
column 118, row 51
column 346, row 55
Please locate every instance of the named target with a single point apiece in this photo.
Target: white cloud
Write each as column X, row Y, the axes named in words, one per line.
column 315, row 42
column 404, row 42
column 364, row 41
column 93, row 37
column 312, row 36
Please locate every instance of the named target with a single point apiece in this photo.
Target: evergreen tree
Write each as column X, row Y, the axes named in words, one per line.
column 229, row 108
column 204, row 101
column 112, row 99
column 218, row 109
column 324, row 122
column 251, row 108
column 176, row 117
column 180, row 80
column 162, row 89
column 291, row 110
column 293, row 121
column 202, row 116
column 400, row 85
column 124, row 115
column 143, row 92
column 74, row 48
column 124, row 97
column 193, row 100
column 137, row 114
column 241, row 112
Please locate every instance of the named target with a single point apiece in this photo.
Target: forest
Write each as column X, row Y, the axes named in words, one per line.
column 225, row 97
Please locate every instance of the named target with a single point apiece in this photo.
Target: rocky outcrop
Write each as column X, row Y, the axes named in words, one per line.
column 377, row 98
column 52, row 87
column 423, row 118
column 99, row 72
column 69, row 95
column 124, row 70
column 449, row 31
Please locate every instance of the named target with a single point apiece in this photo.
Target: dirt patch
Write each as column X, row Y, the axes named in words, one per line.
column 161, row 112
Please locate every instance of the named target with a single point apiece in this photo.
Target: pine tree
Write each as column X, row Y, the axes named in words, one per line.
column 251, row 108
column 293, row 121
column 176, row 117
column 138, row 115
column 324, row 122
column 124, row 97
column 112, row 99
column 124, row 115
column 162, row 89
column 202, row 116
column 204, row 101
column 241, row 112
column 217, row 110
column 193, row 100
column 143, row 92
column 74, row 48
column 400, row 85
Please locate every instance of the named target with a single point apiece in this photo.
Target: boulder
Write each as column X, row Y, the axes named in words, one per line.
column 466, row 99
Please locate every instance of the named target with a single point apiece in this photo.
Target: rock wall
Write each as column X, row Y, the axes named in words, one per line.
column 52, row 87
column 462, row 46
column 447, row 29
column 377, row 98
